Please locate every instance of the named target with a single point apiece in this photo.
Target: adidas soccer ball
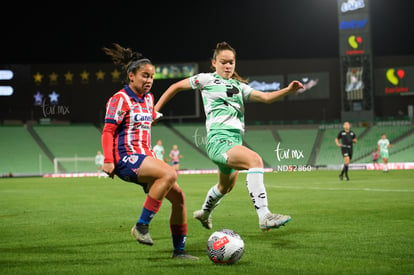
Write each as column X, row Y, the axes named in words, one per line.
column 225, row 247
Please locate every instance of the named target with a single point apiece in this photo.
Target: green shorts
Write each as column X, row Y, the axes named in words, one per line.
column 217, row 145
column 384, row 154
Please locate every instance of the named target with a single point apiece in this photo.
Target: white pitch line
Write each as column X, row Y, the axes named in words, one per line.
column 344, row 189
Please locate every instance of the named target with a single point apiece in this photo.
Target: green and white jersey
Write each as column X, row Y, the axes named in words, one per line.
column 159, row 151
column 383, row 144
column 99, row 160
column 223, row 101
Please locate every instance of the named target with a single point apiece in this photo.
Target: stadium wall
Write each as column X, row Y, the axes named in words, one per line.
column 83, row 100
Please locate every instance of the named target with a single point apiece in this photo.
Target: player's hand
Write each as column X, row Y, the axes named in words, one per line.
column 158, row 115
column 339, row 145
column 109, row 168
column 294, row 86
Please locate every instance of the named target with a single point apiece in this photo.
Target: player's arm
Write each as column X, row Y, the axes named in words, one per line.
column 108, row 134
column 259, row 96
column 354, row 140
column 337, row 142
column 113, row 116
column 179, row 86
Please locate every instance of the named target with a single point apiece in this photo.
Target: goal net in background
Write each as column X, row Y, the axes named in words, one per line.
column 74, row 165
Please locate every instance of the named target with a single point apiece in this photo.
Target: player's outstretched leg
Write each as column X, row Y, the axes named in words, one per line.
column 257, row 191
column 204, row 218
column 211, row 201
column 273, row 221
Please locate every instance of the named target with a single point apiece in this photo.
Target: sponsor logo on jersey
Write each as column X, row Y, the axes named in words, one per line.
column 143, row 127
column 142, row 117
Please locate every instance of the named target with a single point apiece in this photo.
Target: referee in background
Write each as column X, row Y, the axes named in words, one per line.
column 345, row 139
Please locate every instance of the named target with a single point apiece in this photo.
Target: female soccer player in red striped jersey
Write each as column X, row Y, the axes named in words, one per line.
column 126, row 142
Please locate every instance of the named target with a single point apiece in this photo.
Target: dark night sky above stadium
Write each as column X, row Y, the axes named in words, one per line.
column 175, row 31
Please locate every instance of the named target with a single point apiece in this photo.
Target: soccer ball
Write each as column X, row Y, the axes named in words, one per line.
column 225, row 246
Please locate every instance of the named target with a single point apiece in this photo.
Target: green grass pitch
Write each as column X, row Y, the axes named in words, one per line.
column 82, row 226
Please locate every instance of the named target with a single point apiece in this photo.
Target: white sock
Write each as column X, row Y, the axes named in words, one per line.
column 213, row 198
column 257, row 191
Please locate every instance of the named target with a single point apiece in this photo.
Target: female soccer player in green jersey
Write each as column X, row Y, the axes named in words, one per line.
column 224, row 93
column 383, row 145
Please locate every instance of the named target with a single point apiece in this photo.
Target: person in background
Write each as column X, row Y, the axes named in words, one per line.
column 224, row 93
column 159, row 150
column 99, row 161
column 383, row 145
column 345, row 140
column 175, row 158
column 126, row 143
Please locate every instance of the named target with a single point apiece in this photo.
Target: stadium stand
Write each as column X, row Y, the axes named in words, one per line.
column 404, row 155
column 369, row 141
column 31, row 149
column 20, row 154
column 195, row 133
column 71, row 141
column 401, row 137
column 298, row 139
column 262, row 142
column 403, row 150
column 281, row 145
column 183, row 136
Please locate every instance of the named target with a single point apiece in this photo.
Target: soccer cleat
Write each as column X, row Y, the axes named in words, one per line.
column 182, row 255
column 341, row 177
column 204, row 218
column 141, row 234
column 347, row 178
column 273, row 221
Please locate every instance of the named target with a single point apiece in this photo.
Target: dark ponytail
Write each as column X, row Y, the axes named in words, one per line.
column 127, row 59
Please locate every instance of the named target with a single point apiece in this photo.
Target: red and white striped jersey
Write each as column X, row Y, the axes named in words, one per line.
column 128, row 118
